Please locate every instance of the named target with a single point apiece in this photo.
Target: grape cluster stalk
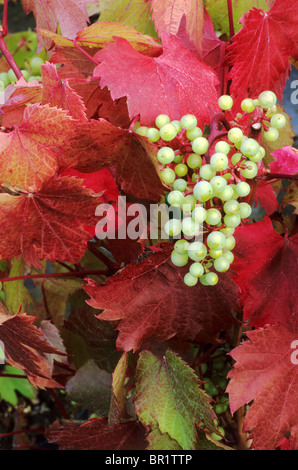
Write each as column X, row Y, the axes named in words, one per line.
column 210, row 190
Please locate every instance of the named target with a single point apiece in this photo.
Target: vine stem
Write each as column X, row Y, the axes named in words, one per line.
column 4, row 49
column 54, row 275
column 231, row 21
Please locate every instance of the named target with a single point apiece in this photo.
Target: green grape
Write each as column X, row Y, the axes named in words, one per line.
column 267, row 99
column 226, row 194
column 199, row 214
column 232, row 220
column 231, row 207
column 142, row 130
column 168, row 132
column 197, row 251
column 218, row 183
column 215, row 253
column 203, row 191
column 236, row 158
column 249, row 147
column 242, row 189
column 177, row 124
column 190, row 280
column 278, row 121
column 230, row 242
column 245, row 210
column 207, row 172
column 175, row 198
column 180, row 185
column 213, row 216
column 216, row 240
column 221, row 264
column 247, row 105
column 179, row 260
column 219, row 161
column 12, row 76
column 222, row 147
column 227, row 231
column 229, row 255
column 196, row 269
column 190, row 228
column 178, row 159
column 235, row 134
column 188, row 121
column 225, row 102
column 259, row 156
column 194, row 161
column 35, row 64
column 152, row 134
column 239, row 142
column 203, row 281
column 194, row 133
column 200, row 145
column 172, row 227
column 161, row 120
column 235, row 195
column 250, row 170
column 271, row 111
column 181, row 169
column 25, row 74
column 33, row 77
column 211, row 279
column 181, row 246
column 189, row 203
column 271, row 135
column 167, row 175
column 195, row 177
column 5, row 79
column 165, row 155
column 256, row 102
column 227, row 176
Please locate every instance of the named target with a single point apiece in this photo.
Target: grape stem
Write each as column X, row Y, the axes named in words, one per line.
column 4, row 49
column 79, row 274
column 231, row 20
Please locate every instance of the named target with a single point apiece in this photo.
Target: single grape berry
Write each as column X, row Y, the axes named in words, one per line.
column 161, row 120
column 278, row 121
column 172, row 227
column 213, row 216
column 221, row 264
column 200, row 145
column 181, row 169
column 216, row 240
column 207, row 172
column 272, row 134
column 168, row 132
column 35, row 64
column 235, row 134
column 222, row 147
column 250, row 170
column 218, row 183
column 232, row 220
column 225, row 102
column 247, row 105
column 190, row 228
column 244, row 210
column 219, row 161
column 194, row 161
column 202, row 191
column 249, row 147
column 190, row 280
column 142, row 130
column 168, row 176
column 199, row 214
column 194, row 133
column 267, row 99
column 211, row 279
column 178, row 259
column 181, row 246
column 175, row 198
column 165, row 155
column 152, row 134
column 196, row 269
column 242, row 189
column 188, row 121
column 197, row 251
column 180, row 185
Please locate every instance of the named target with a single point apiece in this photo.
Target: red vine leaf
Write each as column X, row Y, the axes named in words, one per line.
column 286, row 161
column 152, row 301
column 265, row 372
column 179, row 83
column 48, row 224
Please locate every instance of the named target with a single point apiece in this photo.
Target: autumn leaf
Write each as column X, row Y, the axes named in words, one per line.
column 175, row 83
column 28, row 154
column 266, row 265
column 286, row 161
column 152, row 302
column 48, row 224
column 26, row 348
column 95, row 434
column 117, row 410
column 266, row 373
column 135, row 13
column 266, row 196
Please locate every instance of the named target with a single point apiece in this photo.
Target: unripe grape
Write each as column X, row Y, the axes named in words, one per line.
column 194, row 133
column 181, row 169
column 218, row 183
column 190, row 228
column 181, row 246
column 196, row 269
column 227, row 231
column 167, row 175
column 199, row 214
column 215, row 253
column 219, row 161
column 25, row 74
column 189, row 203
column 152, row 134
column 172, row 227
column 259, row 156
column 235, row 134
column 36, row 64
column 236, row 158
column 231, row 207
column 180, row 185
column 267, row 99
column 190, row 280
column 203, row 281
column 178, row 159
column 225, row 102
column 226, row 194
column 271, row 135
column 161, row 120
column 175, row 198
column 177, row 124
column 213, row 216
column 207, row 172
column 216, row 240
column 197, row 251
column 230, row 243
column 211, row 279
column 12, row 76
column 200, row 145
column 5, row 79
column 229, row 255
column 239, row 142
column 194, row 161
column 250, row 170
column 247, row 105
column 179, row 260
column 221, row 264
column 203, row 191
column 249, row 147
column 244, row 210
column 222, row 147
column 168, row 132
column 165, row 155
column 232, row 220
column 243, row 189
column 188, row 121
column 278, row 121
column 142, row 130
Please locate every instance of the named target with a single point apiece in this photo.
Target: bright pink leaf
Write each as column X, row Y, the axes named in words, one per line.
column 286, row 161
column 266, row 372
column 175, row 83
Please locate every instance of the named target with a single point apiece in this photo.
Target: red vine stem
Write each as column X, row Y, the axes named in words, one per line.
column 231, row 21
column 23, row 431
column 58, row 403
column 55, row 275
column 4, row 19
column 4, row 49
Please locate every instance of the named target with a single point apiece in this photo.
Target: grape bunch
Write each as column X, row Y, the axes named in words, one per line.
column 210, row 190
column 32, row 73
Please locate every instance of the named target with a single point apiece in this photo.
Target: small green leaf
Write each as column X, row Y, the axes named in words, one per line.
column 10, row 385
